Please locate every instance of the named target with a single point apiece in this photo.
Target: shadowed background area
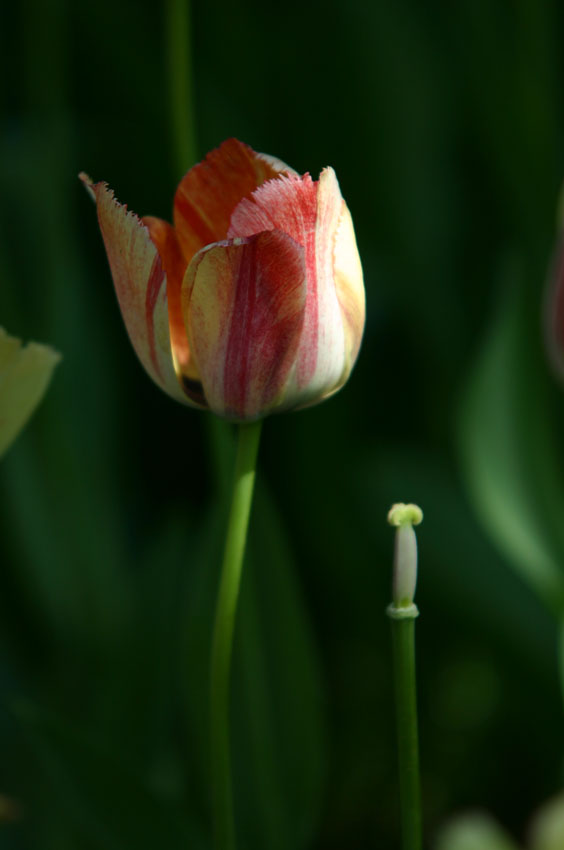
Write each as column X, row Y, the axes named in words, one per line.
column 444, row 123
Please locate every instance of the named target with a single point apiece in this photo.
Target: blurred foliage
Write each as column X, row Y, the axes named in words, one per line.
column 547, row 827
column 479, row 831
column 474, row 832
column 444, row 123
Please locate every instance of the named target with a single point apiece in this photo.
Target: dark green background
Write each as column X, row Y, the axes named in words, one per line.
column 444, row 122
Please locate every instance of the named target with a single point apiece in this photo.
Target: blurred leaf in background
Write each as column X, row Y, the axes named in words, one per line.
column 511, row 457
column 474, row 832
column 547, row 828
column 479, row 831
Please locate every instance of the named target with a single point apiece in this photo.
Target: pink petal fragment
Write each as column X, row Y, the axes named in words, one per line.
column 286, row 203
column 244, row 307
column 210, row 191
column 140, row 283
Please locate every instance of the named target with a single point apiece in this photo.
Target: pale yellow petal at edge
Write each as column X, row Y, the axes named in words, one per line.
column 25, row 372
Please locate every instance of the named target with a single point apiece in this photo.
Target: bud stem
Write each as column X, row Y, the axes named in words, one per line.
column 403, row 613
column 224, row 827
column 403, row 637
column 179, row 43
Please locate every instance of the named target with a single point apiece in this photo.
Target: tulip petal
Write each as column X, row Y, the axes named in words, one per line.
column 349, row 284
column 25, row 373
column 244, row 302
column 209, row 192
column 164, row 237
column 310, row 213
column 324, row 375
column 140, row 284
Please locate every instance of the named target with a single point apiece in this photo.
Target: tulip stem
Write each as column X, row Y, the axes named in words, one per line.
column 180, row 84
column 403, row 637
column 224, row 827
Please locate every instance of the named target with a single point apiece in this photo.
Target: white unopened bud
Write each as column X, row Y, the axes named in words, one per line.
column 404, row 517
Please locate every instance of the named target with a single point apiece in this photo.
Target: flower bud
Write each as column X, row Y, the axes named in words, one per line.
column 404, row 517
column 252, row 302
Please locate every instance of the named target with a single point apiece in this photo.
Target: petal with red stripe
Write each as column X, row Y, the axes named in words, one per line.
column 174, row 264
column 309, row 212
column 243, row 303
column 140, row 283
column 209, row 192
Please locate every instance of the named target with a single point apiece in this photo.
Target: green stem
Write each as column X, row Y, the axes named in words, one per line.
column 224, row 828
column 180, row 85
column 403, row 636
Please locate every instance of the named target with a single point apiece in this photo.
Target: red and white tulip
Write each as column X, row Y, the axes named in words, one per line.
column 253, row 301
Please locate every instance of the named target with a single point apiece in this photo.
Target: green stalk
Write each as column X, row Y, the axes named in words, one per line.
column 403, row 637
column 224, row 827
column 180, row 85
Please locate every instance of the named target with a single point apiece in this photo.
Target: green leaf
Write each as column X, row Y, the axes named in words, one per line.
column 278, row 725
column 511, row 467
column 278, row 705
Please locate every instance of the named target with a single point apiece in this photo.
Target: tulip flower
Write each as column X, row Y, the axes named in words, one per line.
column 25, row 372
column 252, row 302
